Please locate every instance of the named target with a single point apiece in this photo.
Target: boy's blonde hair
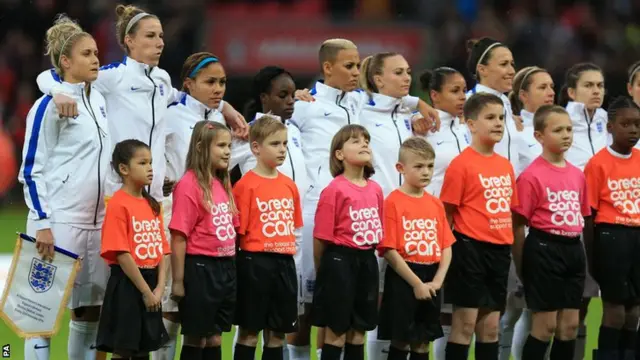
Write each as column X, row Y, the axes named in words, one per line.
column 417, row 146
column 199, row 161
column 264, row 127
column 341, row 137
column 330, row 48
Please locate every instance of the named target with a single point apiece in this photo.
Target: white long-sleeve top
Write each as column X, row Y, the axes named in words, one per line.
column 182, row 116
column 529, row 147
column 389, row 124
column 320, row 120
column 448, row 142
column 137, row 97
column 65, row 161
column 294, row 165
column 509, row 145
column 589, row 134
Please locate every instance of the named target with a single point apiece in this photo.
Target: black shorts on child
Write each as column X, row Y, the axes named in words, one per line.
column 553, row 271
column 126, row 327
column 478, row 274
column 403, row 317
column 267, row 292
column 209, row 301
column 346, row 292
column 616, row 263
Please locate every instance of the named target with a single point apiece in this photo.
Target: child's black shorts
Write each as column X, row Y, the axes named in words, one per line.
column 346, row 292
column 267, row 292
column 126, row 327
column 209, row 299
column 403, row 317
column 478, row 274
column 616, row 263
column 553, row 271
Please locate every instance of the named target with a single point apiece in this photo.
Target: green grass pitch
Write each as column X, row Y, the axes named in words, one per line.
column 12, row 219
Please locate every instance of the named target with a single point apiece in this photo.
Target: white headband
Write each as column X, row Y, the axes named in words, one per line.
column 64, row 44
column 633, row 73
column 527, row 74
column 485, row 53
column 134, row 20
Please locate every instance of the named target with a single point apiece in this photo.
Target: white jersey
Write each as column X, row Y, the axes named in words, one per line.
column 318, row 123
column 589, row 134
column 389, row 124
column 293, row 167
column 137, row 97
column 530, row 148
column 448, row 142
column 509, row 145
column 182, row 116
column 65, row 161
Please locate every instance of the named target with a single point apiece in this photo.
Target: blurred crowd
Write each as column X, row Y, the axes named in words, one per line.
column 548, row 33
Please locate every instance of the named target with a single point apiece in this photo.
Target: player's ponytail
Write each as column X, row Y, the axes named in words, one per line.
column 128, row 20
column 153, row 203
column 434, row 80
column 371, row 66
column 60, row 39
column 480, row 52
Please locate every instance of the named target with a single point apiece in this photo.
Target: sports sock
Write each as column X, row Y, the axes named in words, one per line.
column 330, row 352
column 456, row 351
column 244, row 352
column 272, row 353
column 212, row 353
column 534, row 349
column 581, row 342
column 81, row 343
column 562, row 349
column 418, row 356
column 190, row 353
column 507, row 327
column 440, row 345
column 520, row 334
column 299, row 352
column 353, row 352
column 486, row 351
column 376, row 349
column 37, row 348
column 397, row 354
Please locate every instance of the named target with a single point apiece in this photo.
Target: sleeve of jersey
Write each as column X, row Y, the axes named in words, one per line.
column 444, row 232
column 591, row 174
column 326, row 213
column 242, row 196
column 41, row 136
column 114, row 232
column 299, row 116
column 109, row 77
column 297, row 212
column 390, row 238
column 529, row 202
column 185, row 208
column 49, row 82
column 453, row 184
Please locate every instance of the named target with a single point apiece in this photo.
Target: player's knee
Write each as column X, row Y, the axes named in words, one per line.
column 488, row 332
column 467, row 328
column 355, row 337
column 195, row 341
column 568, row 329
column 213, row 341
column 248, row 338
column 420, row 348
column 275, row 339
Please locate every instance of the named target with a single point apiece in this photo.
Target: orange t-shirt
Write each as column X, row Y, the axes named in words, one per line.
column 270, row 213
column 484, row 190
column 613, row 184
column 130, row 226
column 416, row 227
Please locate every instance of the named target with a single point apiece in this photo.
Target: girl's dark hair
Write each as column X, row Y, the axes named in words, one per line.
column 436, row 78
column 337, row 143
column 478, row 54
column 262, row 82
column 192, row 62
column 522, row 81
column 571, row 80
column 633, row 71
column 620, row 103
column 122, row 155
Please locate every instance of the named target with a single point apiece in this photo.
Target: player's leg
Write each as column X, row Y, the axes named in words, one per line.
column 507, row 325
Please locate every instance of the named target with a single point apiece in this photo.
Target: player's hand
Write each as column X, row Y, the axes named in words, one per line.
column 236, row 122
column 519, row 122
column 427, row 120
column 151, row 301
column 167, row 186
column 159, row 291
column 67, row 107
column 44, row 243
column 304, row 95
column 177, row 290
column 422, row 292
column 433, row 288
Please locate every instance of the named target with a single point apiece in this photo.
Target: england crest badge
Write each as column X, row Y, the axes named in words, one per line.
column 161, row 89
column 41, row 275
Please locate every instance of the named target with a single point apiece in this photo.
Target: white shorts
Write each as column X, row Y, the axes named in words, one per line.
column 168, row 304
column 91, row 280
column 308, row 275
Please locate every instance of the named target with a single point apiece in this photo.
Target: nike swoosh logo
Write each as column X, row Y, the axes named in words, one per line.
column 192, row 127
column 134, row 88
column 378, row 125
column 440, row 143
column 92, row 347
column 327, row 114
column 38, row 347
column 532, row 145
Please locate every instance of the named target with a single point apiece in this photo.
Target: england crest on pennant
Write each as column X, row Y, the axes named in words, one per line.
column 41, row 275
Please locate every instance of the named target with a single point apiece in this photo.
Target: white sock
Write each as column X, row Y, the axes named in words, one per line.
column 507, row 325
column 285, row 349
column 580, row 342
column 299, row 352
column 37, row 348
column 168, row 350
column 82, row 340
column 319, row 354
column 520, row 334
column 235, row 341
column 376, row 349
column 440, row 345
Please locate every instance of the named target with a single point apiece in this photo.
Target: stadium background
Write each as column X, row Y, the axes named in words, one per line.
column 249, row 34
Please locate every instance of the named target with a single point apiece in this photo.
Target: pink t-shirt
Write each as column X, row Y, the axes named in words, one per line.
column 350, row 215
column 553, row 199
column 210, row 231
